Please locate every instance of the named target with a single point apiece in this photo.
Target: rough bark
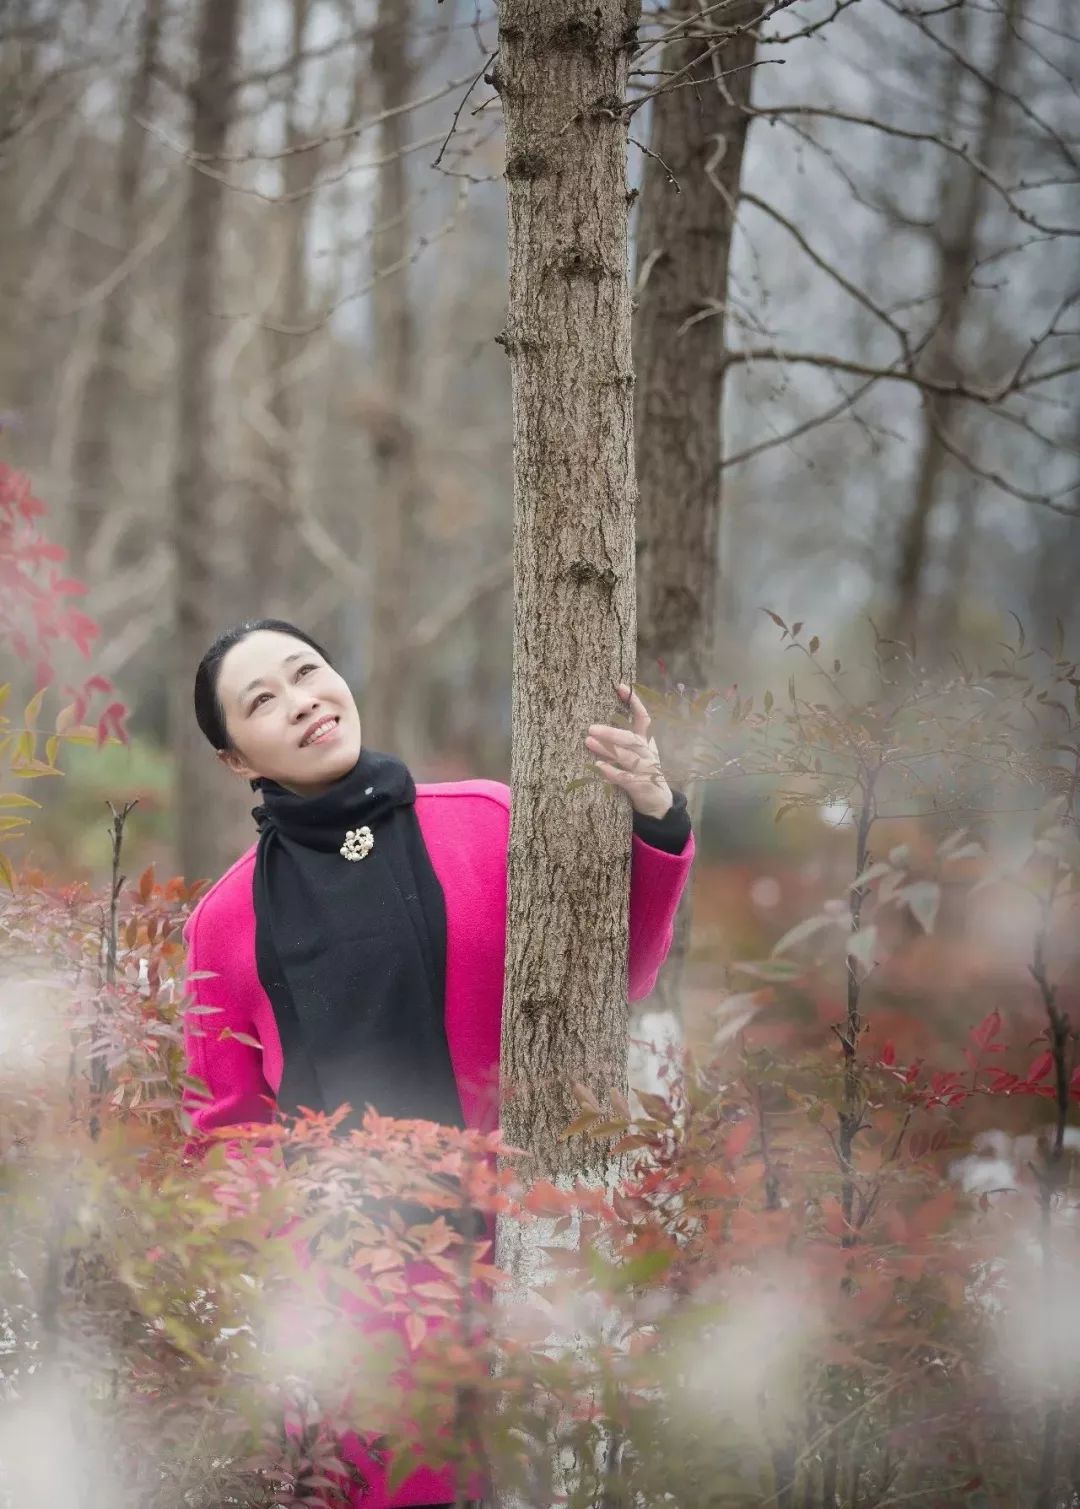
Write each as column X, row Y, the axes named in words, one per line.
column 95, row 480
column 393, row 527
column 561, row 76
column 200, row 596
column 684, row 238
column 962, row 196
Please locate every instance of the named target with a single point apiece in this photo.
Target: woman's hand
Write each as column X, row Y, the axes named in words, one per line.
column 629, row 758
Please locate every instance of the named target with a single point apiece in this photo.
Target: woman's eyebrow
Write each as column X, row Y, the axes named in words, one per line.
column 297, row 655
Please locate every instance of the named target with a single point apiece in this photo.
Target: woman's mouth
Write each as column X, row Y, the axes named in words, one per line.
column 322, row 733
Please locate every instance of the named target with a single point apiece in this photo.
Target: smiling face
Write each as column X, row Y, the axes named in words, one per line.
column 288, row 714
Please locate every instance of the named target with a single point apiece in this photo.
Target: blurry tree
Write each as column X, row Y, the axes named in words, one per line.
column 276, row 415
column 689, row 199
column 196, row 502
column 687, row 211
column 392, row 419
column 95, row 483
column 953, row 231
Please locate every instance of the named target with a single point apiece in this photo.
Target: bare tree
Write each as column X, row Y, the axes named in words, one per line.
column 95, row 480
column 196, row 499
column 277, row 412
column 689, row 199
column 561, row 75
column 961, row 202
column 391, row 418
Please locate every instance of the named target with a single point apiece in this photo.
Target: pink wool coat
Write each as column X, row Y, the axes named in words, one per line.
column 466, row 827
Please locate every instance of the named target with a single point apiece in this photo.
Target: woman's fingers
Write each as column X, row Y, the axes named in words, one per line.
column 628, row 751
column 639, row 715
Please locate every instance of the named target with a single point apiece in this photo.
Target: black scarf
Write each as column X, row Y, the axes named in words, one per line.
column 352, row 953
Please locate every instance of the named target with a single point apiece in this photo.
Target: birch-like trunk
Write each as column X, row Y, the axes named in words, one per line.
column 561, row 75
column 683, row 253
column 200, row 596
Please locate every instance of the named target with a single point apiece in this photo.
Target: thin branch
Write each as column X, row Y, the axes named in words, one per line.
column 943, row 386
column 461, row 105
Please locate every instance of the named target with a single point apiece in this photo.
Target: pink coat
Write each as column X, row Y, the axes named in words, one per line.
column 466, row 827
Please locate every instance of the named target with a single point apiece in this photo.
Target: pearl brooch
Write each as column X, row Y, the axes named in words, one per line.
column 358, row 843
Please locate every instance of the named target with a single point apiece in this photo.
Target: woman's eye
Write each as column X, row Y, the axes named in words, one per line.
column 304, row 668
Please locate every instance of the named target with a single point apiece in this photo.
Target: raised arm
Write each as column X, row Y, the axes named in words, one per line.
column 662, row 851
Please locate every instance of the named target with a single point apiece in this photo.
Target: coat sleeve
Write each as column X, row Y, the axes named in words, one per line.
column 231, row 1068
column 656, row 883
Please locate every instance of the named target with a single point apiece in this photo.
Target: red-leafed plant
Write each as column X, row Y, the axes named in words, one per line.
column 803, row 1285
column 36, row 619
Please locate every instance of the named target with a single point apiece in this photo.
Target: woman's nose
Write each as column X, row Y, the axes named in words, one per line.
column 304, row 705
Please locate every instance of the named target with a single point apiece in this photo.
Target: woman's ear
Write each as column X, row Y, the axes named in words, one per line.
column 234, row 762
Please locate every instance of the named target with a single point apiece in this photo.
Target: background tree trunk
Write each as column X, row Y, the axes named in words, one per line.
column 197, row 484
column 960, row 208
column 561, row 75
column 392, row 424
column 270, row 526
column 683, row 252
column 95, row 479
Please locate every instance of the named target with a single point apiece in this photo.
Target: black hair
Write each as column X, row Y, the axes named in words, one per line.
column 208, row 709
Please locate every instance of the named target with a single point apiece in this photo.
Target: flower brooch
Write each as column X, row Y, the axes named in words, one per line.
column 358, row 843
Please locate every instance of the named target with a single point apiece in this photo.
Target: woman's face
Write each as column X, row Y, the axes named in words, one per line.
column 288, row 714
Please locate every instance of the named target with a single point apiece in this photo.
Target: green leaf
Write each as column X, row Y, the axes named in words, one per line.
column 16, row 799
column 241, row 1037
column 33, row 707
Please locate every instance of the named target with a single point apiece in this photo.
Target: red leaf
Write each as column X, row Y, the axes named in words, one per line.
column 415, row 1330
column 69, row 586
column 1040, row 1068
column 888, row 1053
column 987, row 1029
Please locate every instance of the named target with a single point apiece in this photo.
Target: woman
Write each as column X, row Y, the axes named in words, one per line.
column 365, row 890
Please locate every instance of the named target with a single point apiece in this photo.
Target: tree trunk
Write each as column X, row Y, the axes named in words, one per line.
column 683, row 252
column 269, row 525
column 962, row 194
column 197, row 483
column 95, row 481
column 394, row 523
column 561, row 75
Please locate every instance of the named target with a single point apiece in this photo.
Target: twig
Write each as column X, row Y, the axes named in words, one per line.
column 461, row 105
